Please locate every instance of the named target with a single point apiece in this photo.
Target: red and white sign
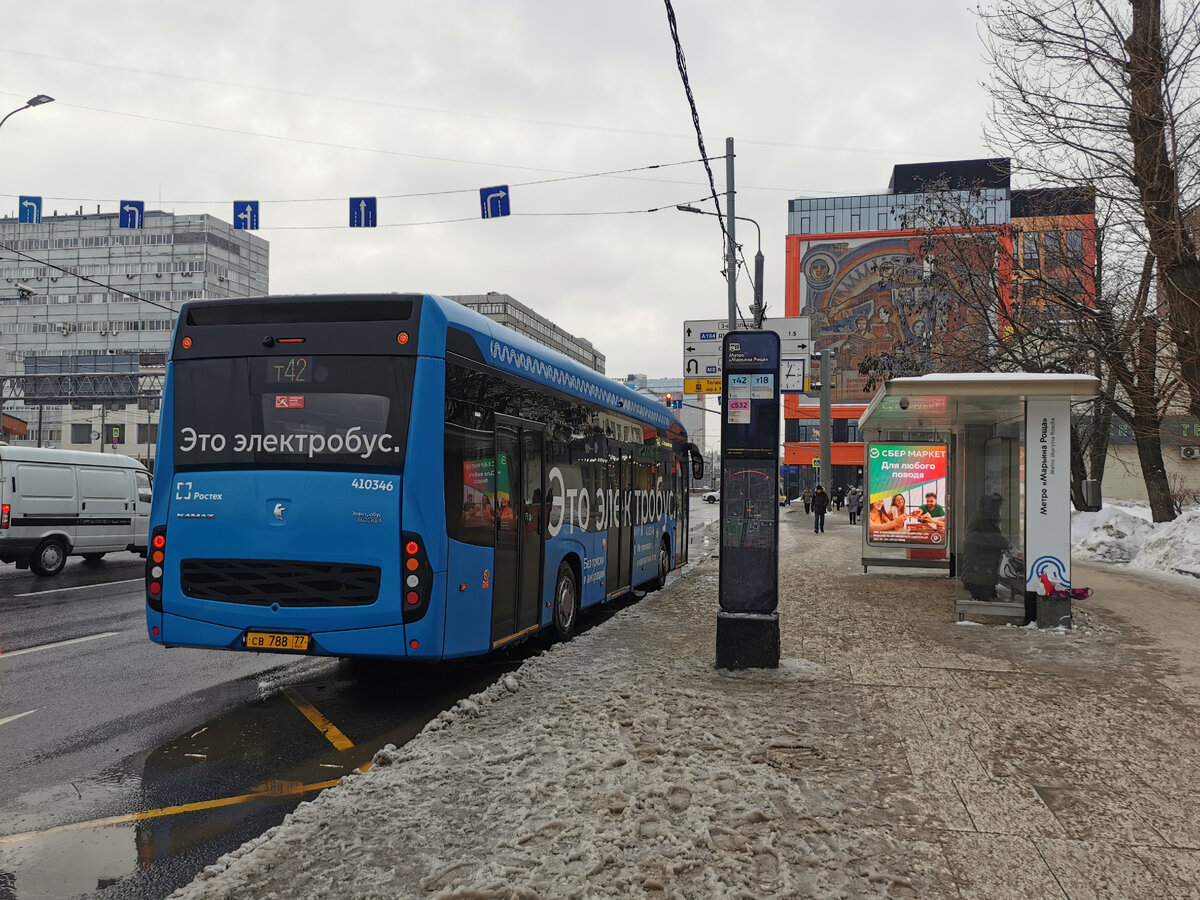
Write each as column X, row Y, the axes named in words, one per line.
column 289, row 401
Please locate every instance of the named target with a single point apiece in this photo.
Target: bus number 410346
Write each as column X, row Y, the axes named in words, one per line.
column 372, row 484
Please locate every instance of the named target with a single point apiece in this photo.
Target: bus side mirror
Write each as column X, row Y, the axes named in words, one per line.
column 697, row 462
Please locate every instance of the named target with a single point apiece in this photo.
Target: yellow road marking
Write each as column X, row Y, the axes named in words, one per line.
column 323, row 725
column 268, row 792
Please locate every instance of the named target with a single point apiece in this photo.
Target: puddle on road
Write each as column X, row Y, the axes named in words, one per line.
column 219, row 784
column 59, row 864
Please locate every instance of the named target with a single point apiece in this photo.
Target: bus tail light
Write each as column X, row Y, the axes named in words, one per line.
column 156, row 555
column 5, row 515
column 416, row 578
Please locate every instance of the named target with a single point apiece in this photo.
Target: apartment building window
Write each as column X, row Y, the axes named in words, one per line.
column 1029, row 250
column 1054, row 251
column 1074, row 248
column 81, row 433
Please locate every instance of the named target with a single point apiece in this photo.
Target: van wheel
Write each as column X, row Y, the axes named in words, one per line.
column 49, row 558
column 93, row 557
column 566, row 602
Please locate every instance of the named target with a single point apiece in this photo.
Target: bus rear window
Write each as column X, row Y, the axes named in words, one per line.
column 292, row 411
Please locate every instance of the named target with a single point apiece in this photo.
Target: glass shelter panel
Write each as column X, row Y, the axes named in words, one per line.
column 990, row 537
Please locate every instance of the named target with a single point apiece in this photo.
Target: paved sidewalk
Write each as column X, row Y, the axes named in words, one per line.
column 895, row 753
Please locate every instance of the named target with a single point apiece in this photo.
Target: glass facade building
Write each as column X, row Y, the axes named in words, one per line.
column 891, row 212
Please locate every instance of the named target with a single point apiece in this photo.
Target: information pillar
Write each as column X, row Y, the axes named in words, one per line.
column 748, row 622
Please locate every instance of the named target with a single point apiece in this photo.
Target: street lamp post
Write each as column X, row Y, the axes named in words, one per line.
column 757, row 309
column 33, row 101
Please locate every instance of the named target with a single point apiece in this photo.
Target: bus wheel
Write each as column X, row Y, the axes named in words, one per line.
column 566, row 602
column 49, row 558
column 664, row 565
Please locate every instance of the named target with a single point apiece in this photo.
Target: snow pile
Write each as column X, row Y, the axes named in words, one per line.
column 1114, row 534
column 1123, row 533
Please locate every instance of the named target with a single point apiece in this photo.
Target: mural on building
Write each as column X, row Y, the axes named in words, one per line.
column 866, row 297
column 876, row 295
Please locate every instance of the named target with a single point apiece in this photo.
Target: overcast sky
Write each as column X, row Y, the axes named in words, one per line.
column 302, row 105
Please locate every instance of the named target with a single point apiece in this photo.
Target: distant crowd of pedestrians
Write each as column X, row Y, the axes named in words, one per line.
column 817, row 503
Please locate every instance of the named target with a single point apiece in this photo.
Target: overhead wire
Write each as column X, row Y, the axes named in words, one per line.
column 391, row 104
column 58, row 268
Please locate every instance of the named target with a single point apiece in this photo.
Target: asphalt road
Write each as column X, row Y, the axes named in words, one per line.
column 126, row 767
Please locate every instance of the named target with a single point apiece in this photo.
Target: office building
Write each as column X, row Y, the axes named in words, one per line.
column 80, row 294
column 519, row 317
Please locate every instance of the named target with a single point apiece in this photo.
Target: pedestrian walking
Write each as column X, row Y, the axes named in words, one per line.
column 820, row 505
column 854, row 505
column 807, row 495
column 839, row 497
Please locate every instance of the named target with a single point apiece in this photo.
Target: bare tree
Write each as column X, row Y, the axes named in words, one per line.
column 1059, row 317
column 1107, row 93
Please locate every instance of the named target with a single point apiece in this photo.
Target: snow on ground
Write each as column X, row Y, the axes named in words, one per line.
column 623, row 764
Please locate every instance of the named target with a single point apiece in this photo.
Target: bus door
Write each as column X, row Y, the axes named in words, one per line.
column 520, row 515
column 620, row 532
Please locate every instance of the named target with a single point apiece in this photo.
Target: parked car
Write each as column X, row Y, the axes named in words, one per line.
column 711, row 496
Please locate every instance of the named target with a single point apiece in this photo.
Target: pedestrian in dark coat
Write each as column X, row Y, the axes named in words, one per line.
column 820, row 505
column 839, row 497
column 854, row 505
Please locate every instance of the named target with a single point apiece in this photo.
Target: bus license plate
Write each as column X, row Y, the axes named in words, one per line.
column 271, row 640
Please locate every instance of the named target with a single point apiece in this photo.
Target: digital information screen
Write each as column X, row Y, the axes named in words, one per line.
column 749, row 537
column 749, row 581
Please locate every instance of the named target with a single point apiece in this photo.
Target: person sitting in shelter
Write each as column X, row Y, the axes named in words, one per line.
column 983, row 545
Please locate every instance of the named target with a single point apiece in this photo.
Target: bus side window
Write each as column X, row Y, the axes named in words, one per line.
column 470, row 485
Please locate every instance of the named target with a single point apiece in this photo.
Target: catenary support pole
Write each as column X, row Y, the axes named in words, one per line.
column 825, row 473
column 731, row 248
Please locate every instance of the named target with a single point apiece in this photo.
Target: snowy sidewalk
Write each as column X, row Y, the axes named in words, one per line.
column 894, row 753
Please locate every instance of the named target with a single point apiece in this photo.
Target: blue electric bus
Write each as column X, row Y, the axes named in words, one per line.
column 397, row 476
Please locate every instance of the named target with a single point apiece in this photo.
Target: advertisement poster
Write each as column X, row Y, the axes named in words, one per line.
column 907, row 501
column 479, row 486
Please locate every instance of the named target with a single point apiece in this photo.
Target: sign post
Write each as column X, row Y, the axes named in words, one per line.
column 748, row 620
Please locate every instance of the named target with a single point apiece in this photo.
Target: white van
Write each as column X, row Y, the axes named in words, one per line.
column 60, row 503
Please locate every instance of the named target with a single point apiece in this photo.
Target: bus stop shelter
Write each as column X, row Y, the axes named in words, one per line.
column 971, row 473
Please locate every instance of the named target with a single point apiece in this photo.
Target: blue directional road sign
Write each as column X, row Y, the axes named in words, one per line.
column 133, row 214
column 30, row 210
column 493, row 201
column 245, row 215
column 362, row 212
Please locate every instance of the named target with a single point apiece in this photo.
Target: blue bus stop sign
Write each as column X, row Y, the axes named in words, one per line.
column 362, row 212
column 245, row 215
column 133, row 214
column 30, row 210
column 493, row 201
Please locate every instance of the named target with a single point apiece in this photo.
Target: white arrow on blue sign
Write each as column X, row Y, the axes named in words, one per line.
column 133, row 214
column 30, row 210
column 362, row 212
column 493, row 201
column 245, row 215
